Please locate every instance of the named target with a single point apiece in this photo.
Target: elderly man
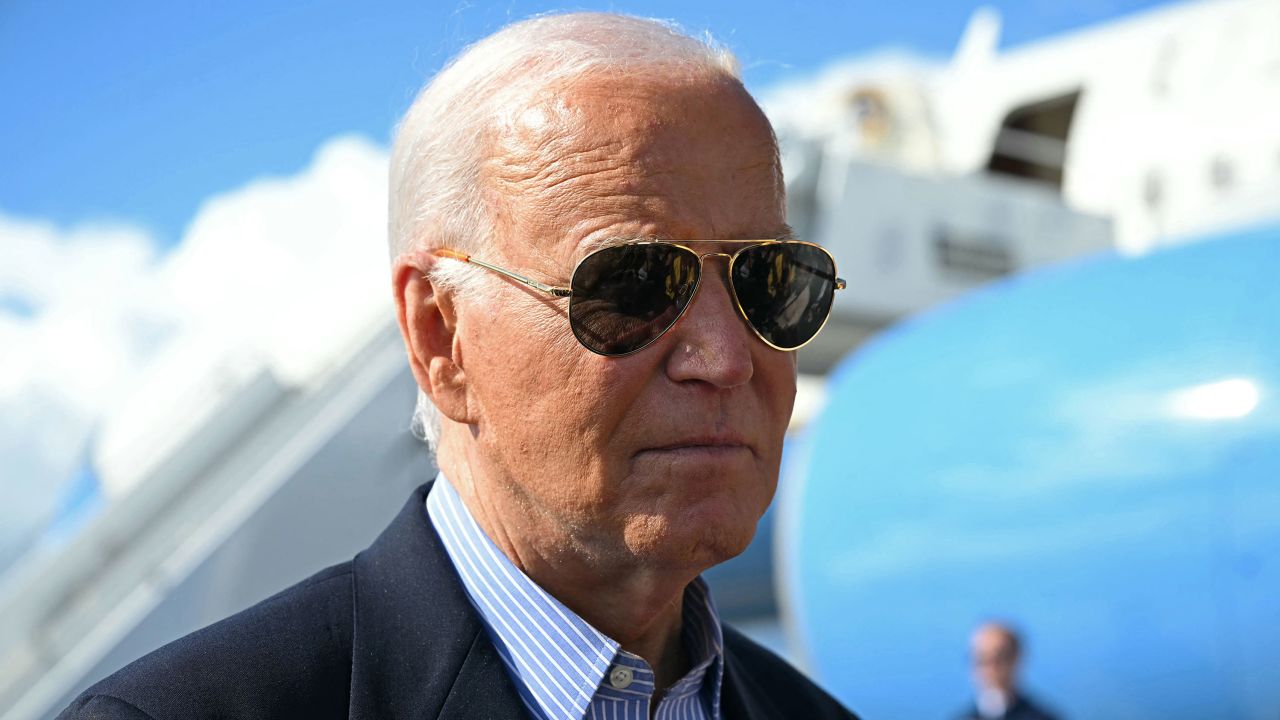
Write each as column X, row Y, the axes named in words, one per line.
column 598, row 297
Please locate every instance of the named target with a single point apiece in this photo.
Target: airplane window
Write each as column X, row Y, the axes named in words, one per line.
column 1221, row 174
column 1153, row 190
column 1032, row 142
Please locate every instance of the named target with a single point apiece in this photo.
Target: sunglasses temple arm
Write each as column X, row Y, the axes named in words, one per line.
column 839, row 282
column 526, row 281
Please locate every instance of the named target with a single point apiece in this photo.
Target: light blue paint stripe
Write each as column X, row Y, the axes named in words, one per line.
column 560, row 663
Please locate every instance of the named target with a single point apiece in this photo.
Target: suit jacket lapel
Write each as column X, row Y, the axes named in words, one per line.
column 420, row 650
column 734, row 703
column 483, row 689
column 740, row 699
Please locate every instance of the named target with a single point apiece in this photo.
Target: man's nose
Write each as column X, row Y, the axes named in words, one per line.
column 712, row 341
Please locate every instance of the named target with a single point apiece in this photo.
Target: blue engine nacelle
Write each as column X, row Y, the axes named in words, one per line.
column 1091, row 452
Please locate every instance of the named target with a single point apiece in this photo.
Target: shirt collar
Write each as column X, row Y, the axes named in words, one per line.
column 559, row 661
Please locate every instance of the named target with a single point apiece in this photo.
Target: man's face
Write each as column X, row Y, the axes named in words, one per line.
column 994, row 662
column 667, row 457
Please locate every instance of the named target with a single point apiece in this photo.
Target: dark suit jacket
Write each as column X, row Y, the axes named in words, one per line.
column 1020, row 709
column 390, row 634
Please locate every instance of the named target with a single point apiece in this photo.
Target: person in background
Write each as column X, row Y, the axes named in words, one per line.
column 997, row 649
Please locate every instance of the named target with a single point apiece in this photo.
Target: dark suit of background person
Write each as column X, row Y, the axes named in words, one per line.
column 607, row 480
column 996, row 652
column 1020, row 709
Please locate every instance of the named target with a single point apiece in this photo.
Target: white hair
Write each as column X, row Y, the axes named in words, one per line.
column 436, row 195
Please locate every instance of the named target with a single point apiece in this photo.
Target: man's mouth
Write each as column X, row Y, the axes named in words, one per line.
column 710, row 446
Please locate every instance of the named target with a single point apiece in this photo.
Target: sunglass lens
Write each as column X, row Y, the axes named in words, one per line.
column 785, row 290
column 626, row 296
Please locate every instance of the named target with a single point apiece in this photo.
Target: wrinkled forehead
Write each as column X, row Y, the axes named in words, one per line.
column 551, row 117
column 611, row 157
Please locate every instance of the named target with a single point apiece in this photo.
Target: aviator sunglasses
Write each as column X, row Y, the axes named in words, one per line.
column 624, row 297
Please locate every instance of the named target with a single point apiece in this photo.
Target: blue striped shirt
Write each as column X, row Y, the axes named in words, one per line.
column 562, row 667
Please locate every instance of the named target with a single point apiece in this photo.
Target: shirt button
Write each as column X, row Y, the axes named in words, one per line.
column 620, row 677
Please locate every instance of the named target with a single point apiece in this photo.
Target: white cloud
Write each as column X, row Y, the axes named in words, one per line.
column 284, row 269
column 290, row 263
column 78, row 285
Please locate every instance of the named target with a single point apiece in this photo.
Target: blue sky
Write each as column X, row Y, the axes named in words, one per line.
column 136, row 111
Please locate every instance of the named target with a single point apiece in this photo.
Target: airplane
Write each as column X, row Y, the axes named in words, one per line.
column 1088, row 451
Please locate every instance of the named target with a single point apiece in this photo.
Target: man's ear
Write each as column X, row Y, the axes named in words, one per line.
column 428, row 324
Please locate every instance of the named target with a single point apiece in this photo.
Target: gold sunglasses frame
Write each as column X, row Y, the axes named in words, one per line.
column 567, row 292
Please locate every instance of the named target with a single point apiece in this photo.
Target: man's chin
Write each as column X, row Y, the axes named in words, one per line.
column 693, row 543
